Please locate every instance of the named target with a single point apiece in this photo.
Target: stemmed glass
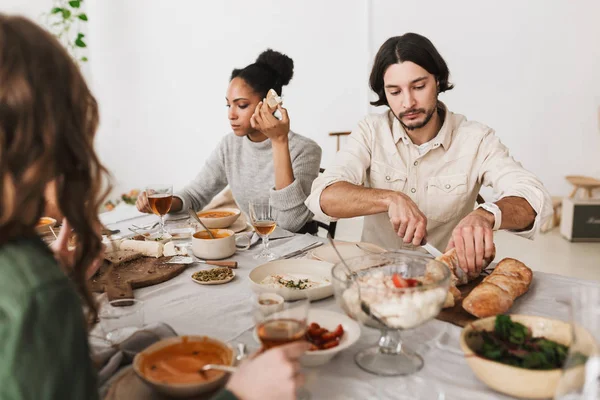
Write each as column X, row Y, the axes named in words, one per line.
column 580, row 379
column 263, row 221
column 392, row 292
column 160, row 198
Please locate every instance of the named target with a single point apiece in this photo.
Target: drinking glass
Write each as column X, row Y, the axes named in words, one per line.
column 263, row 221
column 580, row 379
column 160, row 198
column 119, row 319
column 285, row 323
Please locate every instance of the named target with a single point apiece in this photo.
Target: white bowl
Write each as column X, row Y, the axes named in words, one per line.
column 328, row 320
column 317, row 270
column 221, row 222
column 183, row 390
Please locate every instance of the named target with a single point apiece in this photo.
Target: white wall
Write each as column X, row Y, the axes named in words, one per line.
column 160, row 71
column 529, row 69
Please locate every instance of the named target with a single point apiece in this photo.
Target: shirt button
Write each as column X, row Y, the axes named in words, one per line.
column 415, row 163
column 447, row 186
column 387, row 178
column 413, row 190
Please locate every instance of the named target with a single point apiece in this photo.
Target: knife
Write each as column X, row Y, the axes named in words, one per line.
column 432, row 250
column 303, row 250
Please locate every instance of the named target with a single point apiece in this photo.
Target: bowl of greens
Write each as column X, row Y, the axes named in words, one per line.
column 518, row 355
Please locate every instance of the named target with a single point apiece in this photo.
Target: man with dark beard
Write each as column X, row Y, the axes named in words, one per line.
column 424, row 166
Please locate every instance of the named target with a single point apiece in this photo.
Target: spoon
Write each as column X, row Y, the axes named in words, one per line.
column 367, row 310
column 241, row 352
column 348, row 270
column 195, row 216
column 225, row 368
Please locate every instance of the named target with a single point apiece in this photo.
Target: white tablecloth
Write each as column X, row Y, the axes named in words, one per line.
column 223, row 311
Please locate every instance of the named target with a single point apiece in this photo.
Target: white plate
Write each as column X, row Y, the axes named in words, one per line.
column 239, row 226
column 314, row 269
column 328, row 320
column 346, row 249
column 214, row 282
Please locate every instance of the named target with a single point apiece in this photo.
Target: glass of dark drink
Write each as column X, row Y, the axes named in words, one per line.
column 276, row 326
column 263, row 221
column 160, row 198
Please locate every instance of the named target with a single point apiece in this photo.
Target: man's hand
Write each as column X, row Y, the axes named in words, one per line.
column 408, row 221
column 474, row 241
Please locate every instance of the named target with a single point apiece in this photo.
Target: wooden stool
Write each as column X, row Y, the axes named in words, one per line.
column 556, row 206
column 337, row 137
column 583, row 182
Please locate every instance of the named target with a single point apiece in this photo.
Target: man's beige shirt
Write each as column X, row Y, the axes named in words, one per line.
column 444, row 181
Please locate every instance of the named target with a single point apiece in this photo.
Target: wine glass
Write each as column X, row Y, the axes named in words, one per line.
column 393, row 292
column 119, row 319
column 283, row 324
column 160, row 198
column 263, row 221
column 580, row 379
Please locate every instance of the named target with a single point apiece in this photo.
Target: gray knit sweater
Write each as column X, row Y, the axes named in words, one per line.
column 248, row 169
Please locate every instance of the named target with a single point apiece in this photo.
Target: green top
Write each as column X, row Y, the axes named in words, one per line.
column 44, row 352
column 224, row 395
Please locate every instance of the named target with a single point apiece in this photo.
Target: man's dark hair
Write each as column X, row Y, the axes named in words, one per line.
column 408, row 47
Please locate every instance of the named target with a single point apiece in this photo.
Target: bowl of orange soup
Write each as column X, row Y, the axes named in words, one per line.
column 219, row 218
column 44, row 224
column 172, row 366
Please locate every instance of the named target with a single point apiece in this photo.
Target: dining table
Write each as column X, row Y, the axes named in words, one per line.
column 225, row 312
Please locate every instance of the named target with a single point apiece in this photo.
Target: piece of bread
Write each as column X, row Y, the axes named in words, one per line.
column 273, row 99
column 495, row 295
column 458, row 276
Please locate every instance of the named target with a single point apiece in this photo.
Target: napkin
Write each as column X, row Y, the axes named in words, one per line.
column 111, row 358
column 281, row 248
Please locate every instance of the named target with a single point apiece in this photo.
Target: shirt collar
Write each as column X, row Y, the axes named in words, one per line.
column 443, row 138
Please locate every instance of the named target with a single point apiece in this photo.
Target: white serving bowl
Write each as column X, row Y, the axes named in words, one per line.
column 318, row 270
column 220, row 222
column 330, row 320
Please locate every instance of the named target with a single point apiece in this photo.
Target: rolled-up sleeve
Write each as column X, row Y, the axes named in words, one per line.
column 350, row 165
column 508, row 178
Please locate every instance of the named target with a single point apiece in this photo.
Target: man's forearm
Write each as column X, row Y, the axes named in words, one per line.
column 345, row 200
column 517, row 214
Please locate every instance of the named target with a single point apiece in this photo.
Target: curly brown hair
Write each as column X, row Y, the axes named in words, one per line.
column 48, row 118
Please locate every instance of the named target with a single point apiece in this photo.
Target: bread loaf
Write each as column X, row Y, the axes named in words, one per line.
column 459, row 276
column 496, row 294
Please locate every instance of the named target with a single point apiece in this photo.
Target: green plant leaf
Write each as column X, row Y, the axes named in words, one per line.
column 56, row 10
column 84, row 59
column 82, row 17
column 74, row 3
column 80, row 36
column 80, row 43
column 66, row 14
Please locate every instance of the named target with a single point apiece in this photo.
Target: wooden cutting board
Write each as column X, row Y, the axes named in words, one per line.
column 128, row 386
column 457, row 315
column 118, row 281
